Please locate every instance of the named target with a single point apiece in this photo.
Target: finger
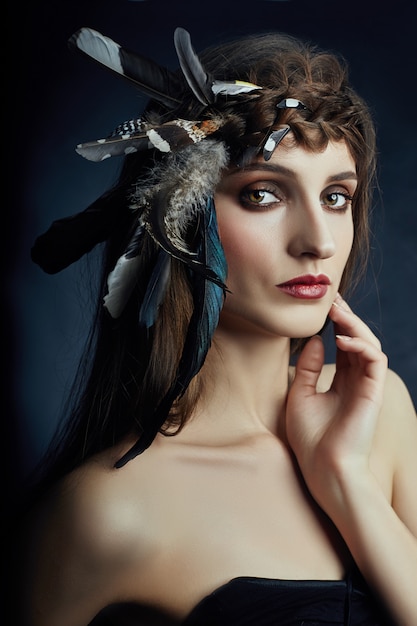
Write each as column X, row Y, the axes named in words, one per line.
column 341, row 302
column 308, row 367
column 369, row 357
column 348, row 323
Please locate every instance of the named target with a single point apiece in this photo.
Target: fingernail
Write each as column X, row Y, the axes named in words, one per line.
column 344, row 337
column 339, row 302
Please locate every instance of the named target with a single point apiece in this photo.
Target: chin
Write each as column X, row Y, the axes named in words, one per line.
column 304, row 324
column 291, row 324
column 307, row 330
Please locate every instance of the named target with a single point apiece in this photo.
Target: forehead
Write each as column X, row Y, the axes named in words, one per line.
column 291, row 151
column 294, row 160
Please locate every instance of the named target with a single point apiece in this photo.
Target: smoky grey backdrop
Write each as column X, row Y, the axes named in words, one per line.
column 59, row 99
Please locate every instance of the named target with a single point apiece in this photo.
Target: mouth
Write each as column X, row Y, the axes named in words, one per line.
column 308, row 287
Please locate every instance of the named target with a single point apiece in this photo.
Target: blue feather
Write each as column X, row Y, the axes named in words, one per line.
column 208, row 301
column 208, row 295
column 155, row 290
column 208, row 298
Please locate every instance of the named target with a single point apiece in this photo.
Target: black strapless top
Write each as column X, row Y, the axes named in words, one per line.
column 251, row 601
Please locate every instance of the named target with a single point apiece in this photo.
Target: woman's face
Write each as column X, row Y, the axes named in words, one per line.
column 287, row 231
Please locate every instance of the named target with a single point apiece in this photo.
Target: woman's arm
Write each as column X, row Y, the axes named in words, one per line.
column 333, row 435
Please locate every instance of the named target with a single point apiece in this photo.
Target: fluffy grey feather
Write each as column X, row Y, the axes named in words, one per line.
column 191, row 175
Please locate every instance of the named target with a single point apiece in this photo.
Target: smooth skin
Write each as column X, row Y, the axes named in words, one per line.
column 282, row 472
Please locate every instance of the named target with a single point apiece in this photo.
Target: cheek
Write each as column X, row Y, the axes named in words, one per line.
column 344, row 242
column 243, row 237
column 241, row 243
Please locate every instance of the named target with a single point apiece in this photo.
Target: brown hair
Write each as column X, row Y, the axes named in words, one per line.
column 288, row 68
column 132, row 368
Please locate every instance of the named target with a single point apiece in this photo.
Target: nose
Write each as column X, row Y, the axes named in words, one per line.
column 310, row 232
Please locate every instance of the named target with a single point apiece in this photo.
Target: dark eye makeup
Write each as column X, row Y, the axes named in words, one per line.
column 260, row 196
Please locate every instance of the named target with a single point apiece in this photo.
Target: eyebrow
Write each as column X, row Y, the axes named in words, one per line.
column 275, row 168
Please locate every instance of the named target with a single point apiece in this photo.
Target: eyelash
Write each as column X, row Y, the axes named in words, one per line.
column 244, row 197
column 250, row 204
column 348, row 200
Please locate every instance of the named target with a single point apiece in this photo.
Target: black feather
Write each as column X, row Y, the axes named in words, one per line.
column 69, row 238
column 153, row 80
column 199, row 81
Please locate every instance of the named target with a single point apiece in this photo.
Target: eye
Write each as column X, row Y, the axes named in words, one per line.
column 337, row 200
column 259, row 196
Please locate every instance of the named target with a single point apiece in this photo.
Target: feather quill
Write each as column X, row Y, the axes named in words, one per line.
column 153, row 80
column 208, row 302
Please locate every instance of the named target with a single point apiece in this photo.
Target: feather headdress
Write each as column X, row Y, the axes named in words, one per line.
column 174, row 196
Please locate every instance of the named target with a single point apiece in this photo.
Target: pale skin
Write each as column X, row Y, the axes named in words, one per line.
column 241, row 490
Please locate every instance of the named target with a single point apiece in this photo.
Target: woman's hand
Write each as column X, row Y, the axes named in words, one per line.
column 331, row 433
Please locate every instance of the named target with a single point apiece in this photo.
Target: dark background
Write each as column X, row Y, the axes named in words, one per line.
column 59, row 99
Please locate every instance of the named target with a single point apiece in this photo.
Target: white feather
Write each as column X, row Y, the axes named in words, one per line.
column 120, row 284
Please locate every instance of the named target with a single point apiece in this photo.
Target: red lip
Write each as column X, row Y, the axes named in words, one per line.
column 308, row 279
column 308, row 287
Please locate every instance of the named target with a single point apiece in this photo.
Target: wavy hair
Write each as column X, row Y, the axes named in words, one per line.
column 126, row 370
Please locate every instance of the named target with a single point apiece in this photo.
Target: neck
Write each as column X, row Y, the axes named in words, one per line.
column 246, row 384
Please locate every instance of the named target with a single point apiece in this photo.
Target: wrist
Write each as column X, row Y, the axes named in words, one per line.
column 352, row 487
column 343, row 486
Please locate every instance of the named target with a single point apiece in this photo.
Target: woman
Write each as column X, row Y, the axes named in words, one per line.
column 201, row 477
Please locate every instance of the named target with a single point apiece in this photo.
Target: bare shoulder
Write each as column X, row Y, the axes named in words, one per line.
column 397, row 396
column 397, row 426
column 96, row 503
column 398, row 441
column 90, row 543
